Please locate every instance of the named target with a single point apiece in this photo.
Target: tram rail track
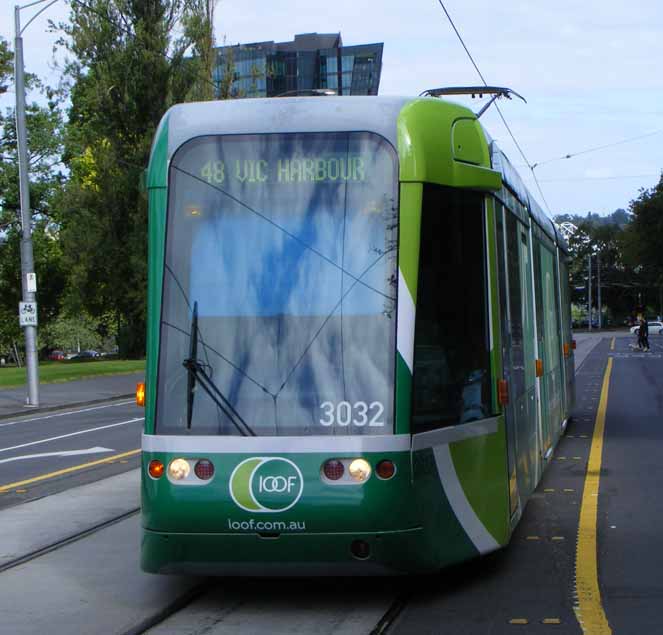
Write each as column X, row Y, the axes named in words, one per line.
column 63, row 542
column 388, row 619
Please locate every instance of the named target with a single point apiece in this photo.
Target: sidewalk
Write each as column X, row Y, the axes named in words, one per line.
column 70, row 393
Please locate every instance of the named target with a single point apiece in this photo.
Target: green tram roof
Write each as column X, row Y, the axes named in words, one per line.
column 331, row 114
column 511, row 180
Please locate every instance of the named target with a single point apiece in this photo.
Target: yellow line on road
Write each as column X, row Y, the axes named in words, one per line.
column 589, row 612
column 68, row 470
column 612, row 344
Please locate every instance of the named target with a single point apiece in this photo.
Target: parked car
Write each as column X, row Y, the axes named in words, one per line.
column 654, row 327
column 57, row 356
column 86, row 355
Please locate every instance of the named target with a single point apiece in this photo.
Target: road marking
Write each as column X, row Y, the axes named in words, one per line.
column 590, row 613
column 518, row 620
column 68, row 470
column 96, row 450
column 71, row 434
column 69, row 412
column 612, row 344
column 551, row 620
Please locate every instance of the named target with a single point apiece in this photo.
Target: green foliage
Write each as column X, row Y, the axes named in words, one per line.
column 645, row 234
column 73, row 333
column 620, row 282
column 127, row 70
column 45, row 137
column 6, row 60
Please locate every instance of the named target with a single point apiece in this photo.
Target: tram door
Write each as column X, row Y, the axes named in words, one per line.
column 507, row 361
column 518, row 354
column 548, row 337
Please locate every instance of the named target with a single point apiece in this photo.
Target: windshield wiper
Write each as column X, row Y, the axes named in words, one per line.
column 197, row 373
column 193, row 354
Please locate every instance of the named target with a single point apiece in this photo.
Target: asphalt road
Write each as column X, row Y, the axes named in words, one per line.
column 49, row 452
column 530, row 587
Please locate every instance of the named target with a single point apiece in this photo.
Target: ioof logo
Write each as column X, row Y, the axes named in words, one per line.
column 266, row 484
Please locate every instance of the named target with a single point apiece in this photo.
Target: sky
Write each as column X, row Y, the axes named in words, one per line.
column 590, row 72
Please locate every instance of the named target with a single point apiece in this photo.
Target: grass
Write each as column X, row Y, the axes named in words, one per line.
column 54, row 372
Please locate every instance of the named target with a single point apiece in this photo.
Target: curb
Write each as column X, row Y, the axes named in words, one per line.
column 26, row 412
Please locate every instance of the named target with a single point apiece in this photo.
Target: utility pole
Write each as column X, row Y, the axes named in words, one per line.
column 598, row 282
column 28, row 307
column 589, row 292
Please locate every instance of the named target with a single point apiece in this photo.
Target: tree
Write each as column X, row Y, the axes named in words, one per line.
column 643, row 241
column 603, row 238
column 6, row 59
column 127, row 70
column 45, row 136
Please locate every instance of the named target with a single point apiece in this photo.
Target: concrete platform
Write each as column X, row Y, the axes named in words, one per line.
column 40, row 523
column 93, row 585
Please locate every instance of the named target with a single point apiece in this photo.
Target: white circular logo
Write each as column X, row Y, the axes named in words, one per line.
column 266, row 484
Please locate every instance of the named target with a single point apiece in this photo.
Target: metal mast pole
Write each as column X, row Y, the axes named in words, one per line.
column 27, row 259
column 589, row 293
column 598, row 282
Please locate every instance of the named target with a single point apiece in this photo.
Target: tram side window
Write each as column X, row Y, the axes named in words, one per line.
column 516, row 241
column 451, row 351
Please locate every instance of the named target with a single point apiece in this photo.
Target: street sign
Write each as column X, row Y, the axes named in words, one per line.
column 32, row 282
column 27, row 313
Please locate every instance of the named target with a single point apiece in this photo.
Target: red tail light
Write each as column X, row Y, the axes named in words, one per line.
column 333, row 469
column 204, row 469
column 385, row 469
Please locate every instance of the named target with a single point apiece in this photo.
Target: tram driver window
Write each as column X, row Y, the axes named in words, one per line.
column 451, row 351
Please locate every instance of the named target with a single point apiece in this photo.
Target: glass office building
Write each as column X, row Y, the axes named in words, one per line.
column 310, row 61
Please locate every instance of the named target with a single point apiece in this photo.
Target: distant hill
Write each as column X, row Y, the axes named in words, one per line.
column 619, row 217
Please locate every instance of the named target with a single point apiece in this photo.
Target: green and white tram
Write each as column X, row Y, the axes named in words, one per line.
column 359, row 347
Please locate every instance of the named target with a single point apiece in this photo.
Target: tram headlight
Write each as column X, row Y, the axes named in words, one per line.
column 179, row 469
column 360, row 470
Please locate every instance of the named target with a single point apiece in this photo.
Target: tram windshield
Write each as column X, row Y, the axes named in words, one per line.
column 285, row 244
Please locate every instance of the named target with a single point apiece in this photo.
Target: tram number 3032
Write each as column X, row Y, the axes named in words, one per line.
column 358, row 414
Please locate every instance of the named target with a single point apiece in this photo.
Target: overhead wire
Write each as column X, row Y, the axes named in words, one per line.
column 603, row 178
column 506, row 125
column 602, row 147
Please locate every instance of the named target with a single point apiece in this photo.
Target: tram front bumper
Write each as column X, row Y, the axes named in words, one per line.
column 303, row 554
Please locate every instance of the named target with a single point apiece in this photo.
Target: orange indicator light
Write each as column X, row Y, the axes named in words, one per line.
column 140, row 394
column 539, row 368
column 155, row 468
column 503, row 392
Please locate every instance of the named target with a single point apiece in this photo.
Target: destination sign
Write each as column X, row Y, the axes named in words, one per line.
column 321, row 169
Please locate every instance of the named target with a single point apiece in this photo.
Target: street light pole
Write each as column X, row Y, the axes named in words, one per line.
column 589, row 292
column 598, row 283
column 27, row 258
